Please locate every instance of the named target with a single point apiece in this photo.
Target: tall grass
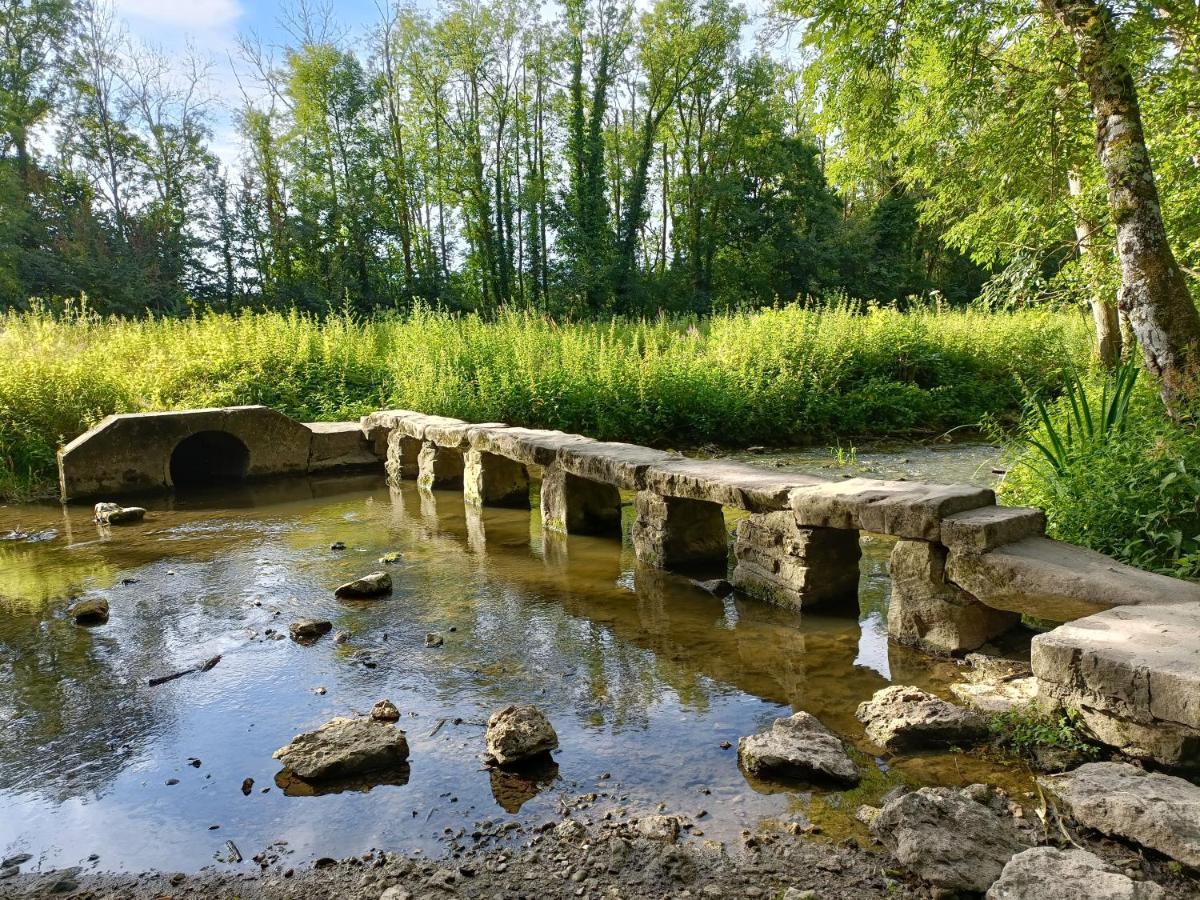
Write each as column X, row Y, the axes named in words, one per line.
column 782, row 376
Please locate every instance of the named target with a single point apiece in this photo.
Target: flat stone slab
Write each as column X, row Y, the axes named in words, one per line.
column 1043, row 872
column 906, row 509
column 415, row 426
column 725, row 482
column 988, row 527
column 1132, row 659
column 340, row 445
column 531, row 446
column 455, row 434
column 798, row 746
column 1157, row 811
column 623, row 465
column 1052, row 580
column 344, row 748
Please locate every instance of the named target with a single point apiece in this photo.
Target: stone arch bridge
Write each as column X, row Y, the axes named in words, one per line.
column 964, row 569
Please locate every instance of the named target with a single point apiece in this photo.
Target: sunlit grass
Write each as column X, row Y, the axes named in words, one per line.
column 792, row 375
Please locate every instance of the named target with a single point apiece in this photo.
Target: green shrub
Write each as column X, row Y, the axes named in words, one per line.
column 792, row 375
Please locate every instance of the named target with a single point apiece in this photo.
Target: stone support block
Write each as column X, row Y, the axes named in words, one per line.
column 673, row 533
column 577, row 505
column 802, row 567
column 490, row 480
column 402, row 457
column 439, row 467
column 928, row 611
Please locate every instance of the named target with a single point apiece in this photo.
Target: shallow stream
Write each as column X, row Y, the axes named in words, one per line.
column 643, row 674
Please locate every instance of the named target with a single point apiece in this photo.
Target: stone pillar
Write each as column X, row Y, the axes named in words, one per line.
column 674, row 533
column 577, row 505
column 491, row 480
column 439, row 467
column 801, row 567
column 402, row 453
column 928, row 611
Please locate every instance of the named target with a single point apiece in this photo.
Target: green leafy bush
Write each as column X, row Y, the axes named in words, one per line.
column 1025, row 730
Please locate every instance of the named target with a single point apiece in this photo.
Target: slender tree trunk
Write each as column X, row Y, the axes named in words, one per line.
column 1104, row 311
column 1153, row 293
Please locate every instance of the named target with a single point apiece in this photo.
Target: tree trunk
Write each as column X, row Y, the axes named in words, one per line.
column 1153, row 292
column 1104, row 311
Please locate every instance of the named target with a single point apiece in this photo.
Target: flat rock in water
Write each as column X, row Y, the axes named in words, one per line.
column 1158, row 811
column 902, row 717
column 309, row 629
column 798, row 746
column 92, row 611
column 1045, row 872
column 374, row 585
column 115, row 514
column 345, row 748
column 948, row 839
column 516, row 734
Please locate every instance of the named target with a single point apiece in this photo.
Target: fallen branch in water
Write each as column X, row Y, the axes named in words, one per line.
column 203, row 667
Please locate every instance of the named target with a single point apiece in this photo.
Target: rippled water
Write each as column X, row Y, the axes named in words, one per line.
column 643, row 674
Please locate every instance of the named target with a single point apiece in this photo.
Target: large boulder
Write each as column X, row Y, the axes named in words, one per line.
column 374, row 585
column 1047, row 872
column 1158, row 811
column 902, row 717
column 345, row 748
column 798, row 746
column 518, row 734
column 947, row 839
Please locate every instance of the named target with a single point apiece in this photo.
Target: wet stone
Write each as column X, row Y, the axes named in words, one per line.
column 517, row 734
column 798, row 746
column 374, row 585
column 344, row 748
column 307, row 630
column 92, row 611
column 115, row 514
column 385, row 711
column 902, row 717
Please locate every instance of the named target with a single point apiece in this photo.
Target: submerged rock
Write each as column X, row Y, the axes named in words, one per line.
column 374, row 585
column 718, row 587
column 309, row 629
column 385, row 711
column 995, row 685
column 1158, row 811
column 1043, row 872
column 798, row 746
column 345, row 748
column 115, row 514
column 91, row 611
column 902, row 717
column 947, row 839
column 518, row 734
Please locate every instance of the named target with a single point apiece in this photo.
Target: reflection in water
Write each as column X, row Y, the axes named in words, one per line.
column 513, row 788
column 643, row 674
column 293, row 785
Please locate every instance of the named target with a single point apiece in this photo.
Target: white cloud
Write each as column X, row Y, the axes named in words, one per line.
column 200, row 14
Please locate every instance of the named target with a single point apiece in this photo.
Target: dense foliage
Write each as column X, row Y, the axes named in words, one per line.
column 788, row 375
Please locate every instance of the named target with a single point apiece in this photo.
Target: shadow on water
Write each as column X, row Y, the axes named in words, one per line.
column 644, row 675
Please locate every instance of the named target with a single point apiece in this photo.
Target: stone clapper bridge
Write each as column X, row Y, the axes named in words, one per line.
column 964, row 570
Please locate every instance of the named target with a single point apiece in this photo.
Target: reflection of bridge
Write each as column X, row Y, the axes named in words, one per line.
column 963, row 569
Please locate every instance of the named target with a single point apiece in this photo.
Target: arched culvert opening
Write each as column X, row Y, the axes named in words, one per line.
column 209, row 457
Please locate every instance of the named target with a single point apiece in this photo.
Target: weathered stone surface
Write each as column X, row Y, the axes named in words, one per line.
column 374, row 585
column 802, row 567
column 115, row 514
column 1154, row 810
column 575, row 505
column 659, row 828
column 798, row 746
column 89, row 611
column 1042, row 873
column 132, row 452
column 439, row 468
column 947, row 839
column 415, row 425
column 902, row 717
column 455, row 433
column 995, row 685
column 927, row 611
column 518, row 734
column 309, row 629
column 344, row 748
column 532, row 446
column 1059, row 582
column 403, row 457
column 1133, row 674
column 340, row 445
column 988, row 527
column 728, row 483
column 673, row 533
column 378, row 426
column 385, row 711
column 490, row 480
column 623, row 465
column 906, row 509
